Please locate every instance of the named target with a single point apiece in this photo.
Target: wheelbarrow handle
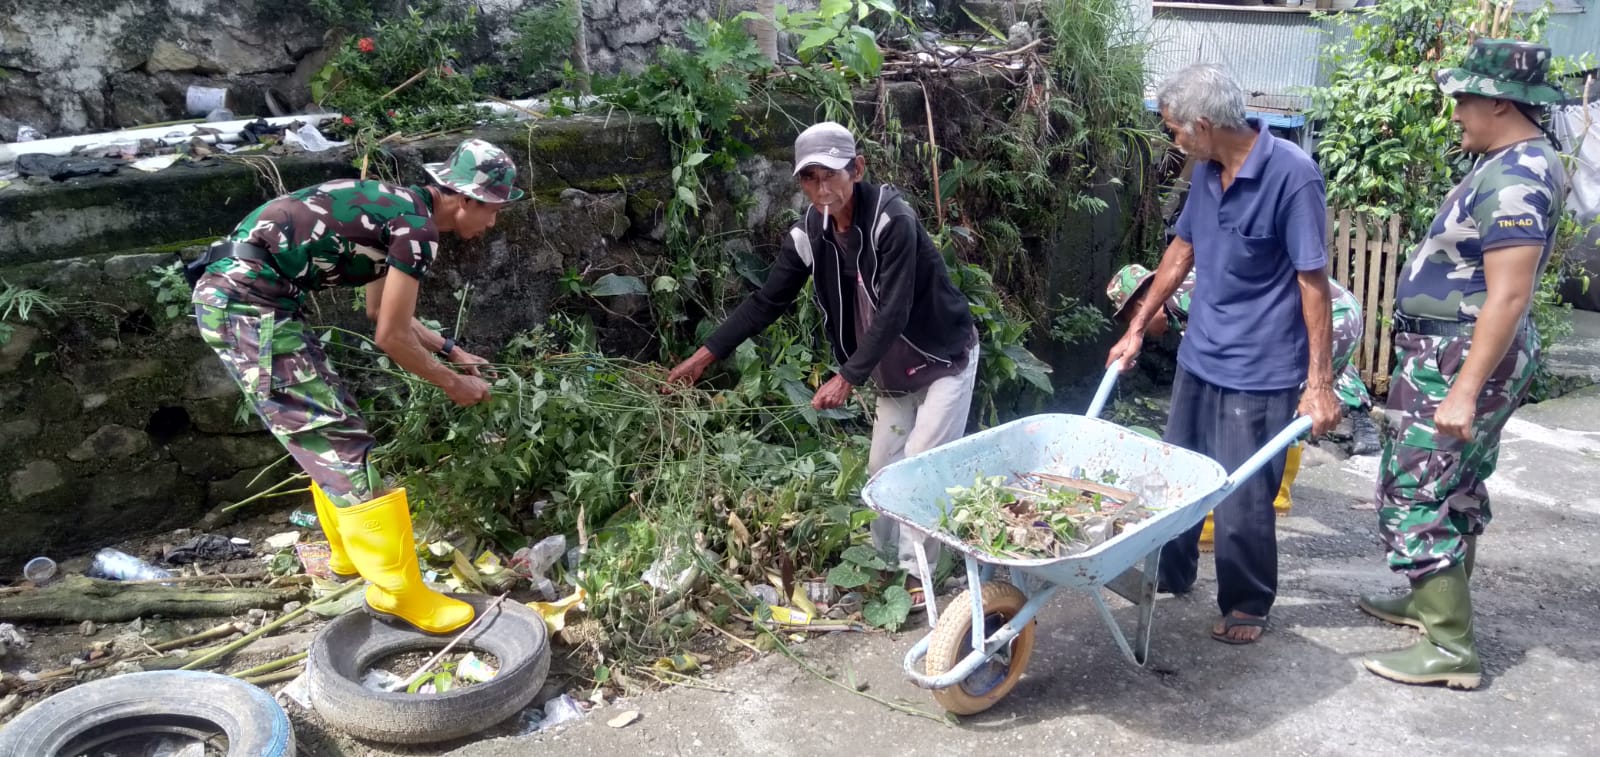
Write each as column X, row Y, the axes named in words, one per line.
column 1104, row 392
column 1299, row 427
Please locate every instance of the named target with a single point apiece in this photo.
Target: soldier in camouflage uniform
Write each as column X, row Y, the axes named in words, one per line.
column 1465, row 354
column 1129, row 285
column 250, row 307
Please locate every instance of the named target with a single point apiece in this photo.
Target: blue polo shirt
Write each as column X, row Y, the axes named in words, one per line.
column 1246, row 331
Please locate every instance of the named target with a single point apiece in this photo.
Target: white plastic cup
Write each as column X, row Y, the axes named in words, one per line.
column 39, row 570
column 202, row 100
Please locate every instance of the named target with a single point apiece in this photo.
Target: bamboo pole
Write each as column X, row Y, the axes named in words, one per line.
column 260, row 670
column 269, row 628
column 223, row 631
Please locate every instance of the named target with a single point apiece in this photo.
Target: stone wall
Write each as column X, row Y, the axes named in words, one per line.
column 98, row 65
column 116, row 420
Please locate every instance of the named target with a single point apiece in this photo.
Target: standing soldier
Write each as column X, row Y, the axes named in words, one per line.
column 250, row 306
column 1465, row 354
column 1127, row 289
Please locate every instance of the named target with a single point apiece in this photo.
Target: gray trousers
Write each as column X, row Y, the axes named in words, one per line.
column 910, row 424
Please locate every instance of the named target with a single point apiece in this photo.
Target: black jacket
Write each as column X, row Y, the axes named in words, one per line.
column 906, row 279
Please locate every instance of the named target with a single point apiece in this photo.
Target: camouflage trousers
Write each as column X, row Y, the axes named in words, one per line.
column 1431, row 488
column 284, row 374
column 1347, row 380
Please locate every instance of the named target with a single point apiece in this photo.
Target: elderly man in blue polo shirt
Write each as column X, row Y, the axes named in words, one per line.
column 1258, row 349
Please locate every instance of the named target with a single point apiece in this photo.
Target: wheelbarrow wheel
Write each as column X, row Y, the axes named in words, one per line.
column 952, row 642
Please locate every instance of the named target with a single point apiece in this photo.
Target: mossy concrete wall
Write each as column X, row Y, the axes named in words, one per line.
column 116, row 420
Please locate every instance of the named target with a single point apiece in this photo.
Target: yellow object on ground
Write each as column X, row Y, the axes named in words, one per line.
column 377, row 535
column 555, row 613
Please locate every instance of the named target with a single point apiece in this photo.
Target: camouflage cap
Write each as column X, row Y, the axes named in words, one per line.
column 1504, row 69
column 1125, row 286
column 478, row 170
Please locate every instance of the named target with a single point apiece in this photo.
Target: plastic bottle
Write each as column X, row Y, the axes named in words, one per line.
column 121, row 566
column 303, row 518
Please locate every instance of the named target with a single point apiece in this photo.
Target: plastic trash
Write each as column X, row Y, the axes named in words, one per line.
column 475, row 670
column 40, row 570
column 176, row 746
column 303, row 518
column 220, row 114
column 121, row 566
column 379, row 679
column 28, row 134
column 11, row 637
column 534, row 562
column 765, row 593
column 309, row 138
column 209, row 548
column 202, row 100
column 562, row 709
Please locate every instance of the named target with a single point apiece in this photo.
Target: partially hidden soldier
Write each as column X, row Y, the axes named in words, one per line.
column 1465, row 354
column 249, row 301
column 1126, row 290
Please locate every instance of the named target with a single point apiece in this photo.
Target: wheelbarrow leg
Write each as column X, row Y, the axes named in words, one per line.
column 1139, row 587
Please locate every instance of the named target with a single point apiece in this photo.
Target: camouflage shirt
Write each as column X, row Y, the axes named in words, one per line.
column 338, row 233
column 1511, row 197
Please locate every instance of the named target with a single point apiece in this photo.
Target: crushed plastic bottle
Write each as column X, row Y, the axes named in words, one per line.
column 303, row 519
column 121, row 566
column 562, row 709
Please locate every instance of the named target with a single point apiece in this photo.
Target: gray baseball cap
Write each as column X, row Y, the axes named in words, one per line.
column 825, row 144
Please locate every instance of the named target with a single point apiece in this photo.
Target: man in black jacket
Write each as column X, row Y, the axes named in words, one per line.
column 889, row 309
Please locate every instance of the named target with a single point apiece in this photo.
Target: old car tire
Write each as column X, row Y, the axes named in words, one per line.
column 348, row 647
column 952, row 640
column 182, row 702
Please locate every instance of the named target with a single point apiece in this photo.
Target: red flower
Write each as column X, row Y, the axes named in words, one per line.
column 392, row 114
column 366, row 45
column 447, row 70
column 347, row 121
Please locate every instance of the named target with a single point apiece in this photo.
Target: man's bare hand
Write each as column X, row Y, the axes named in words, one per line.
column 1455, row 416
column 1321, row 405
column 467, row 391
column 470, row 364
column 1126, row 349
column 689, row 371
column 832, row 394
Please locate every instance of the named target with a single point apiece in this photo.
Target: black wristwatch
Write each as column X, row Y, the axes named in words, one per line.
column 446, row 348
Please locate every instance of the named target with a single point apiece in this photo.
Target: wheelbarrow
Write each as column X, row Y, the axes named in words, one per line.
column 979, row 648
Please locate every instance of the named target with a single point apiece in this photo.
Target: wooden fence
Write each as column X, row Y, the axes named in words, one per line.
column 1364, row 255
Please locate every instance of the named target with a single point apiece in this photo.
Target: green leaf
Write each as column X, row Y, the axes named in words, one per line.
column 888, row 612
column 816, row 38
column 848, row 576
column 1030, row 368
column 831, row 8
column 664, row 284
column 696, row 159
column 611, row 285
column 687, row 197
column 865, row 557
column 988, row 27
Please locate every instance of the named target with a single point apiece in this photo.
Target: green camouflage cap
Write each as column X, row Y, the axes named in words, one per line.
column 1504, row 69
column 1125, row 286
column 478, row 170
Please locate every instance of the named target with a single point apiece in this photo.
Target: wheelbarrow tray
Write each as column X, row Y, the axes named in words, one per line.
column 1173, row 483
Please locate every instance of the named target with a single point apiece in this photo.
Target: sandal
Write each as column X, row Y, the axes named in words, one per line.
column 919, row 600
column 1231, row 621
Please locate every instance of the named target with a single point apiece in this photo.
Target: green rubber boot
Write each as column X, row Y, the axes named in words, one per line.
column 1446, row 653
column 1398, row 609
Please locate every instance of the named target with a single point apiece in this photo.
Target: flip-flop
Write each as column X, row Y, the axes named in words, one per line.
column 1231, row 621
column 919, row 601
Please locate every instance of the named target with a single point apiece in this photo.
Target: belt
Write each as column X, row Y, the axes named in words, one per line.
column 1431, row 326
column 237, row 251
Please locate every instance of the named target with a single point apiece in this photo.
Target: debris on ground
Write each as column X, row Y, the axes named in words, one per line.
column 10, row 638
column 1041, row 515
column 121, row 566
column 281, row 540
column 210, row 548
column 624, row 720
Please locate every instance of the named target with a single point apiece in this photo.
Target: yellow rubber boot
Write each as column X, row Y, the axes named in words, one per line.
column 378, row 537
column 338, row 559
column 1291, row 468
column 1206, row 537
